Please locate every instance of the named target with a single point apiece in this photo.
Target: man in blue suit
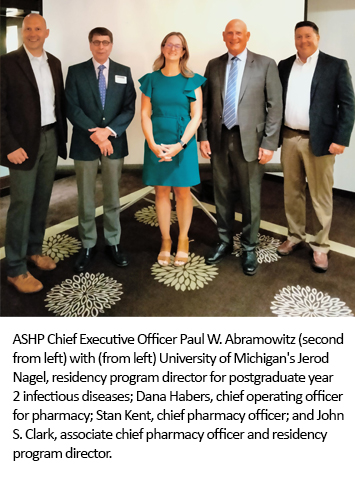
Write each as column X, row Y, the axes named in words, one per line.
column 319, row 112
column 100, row 104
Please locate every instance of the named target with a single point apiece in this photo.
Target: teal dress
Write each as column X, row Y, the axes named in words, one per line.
column 171, row 97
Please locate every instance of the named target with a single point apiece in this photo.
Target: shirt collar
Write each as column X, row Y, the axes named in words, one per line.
column 311, row 58
column 31, row 57
column 242, row 56
column 97, row 64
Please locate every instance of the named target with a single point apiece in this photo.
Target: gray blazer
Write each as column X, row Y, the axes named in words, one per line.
column 259, row 107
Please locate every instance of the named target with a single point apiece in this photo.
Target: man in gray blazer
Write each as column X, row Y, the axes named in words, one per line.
column 100, row 104
column 318, row 120
column 242, row 112
column 33, row 133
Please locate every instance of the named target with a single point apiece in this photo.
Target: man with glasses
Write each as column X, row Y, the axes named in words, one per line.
column 100, row 105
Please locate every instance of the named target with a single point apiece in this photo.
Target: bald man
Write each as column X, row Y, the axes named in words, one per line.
column 33, row 133
column 242, row 113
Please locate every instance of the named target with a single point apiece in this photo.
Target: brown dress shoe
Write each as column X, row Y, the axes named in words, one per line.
column 26, row 283
column 287, row 247
column 45, row 263
column 320, row 261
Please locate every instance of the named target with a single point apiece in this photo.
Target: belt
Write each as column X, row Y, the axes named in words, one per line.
column 47, row 127
column 301, row 131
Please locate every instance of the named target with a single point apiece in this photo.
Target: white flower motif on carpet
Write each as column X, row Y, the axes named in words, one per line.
column 192, row 276
column 60, row 246
column 265, row 250
column 85, row 295
column 148, row 215
column 306, row 302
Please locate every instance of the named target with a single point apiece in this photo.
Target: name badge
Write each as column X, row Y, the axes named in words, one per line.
column 120, row 79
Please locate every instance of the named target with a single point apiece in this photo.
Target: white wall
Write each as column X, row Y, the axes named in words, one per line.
column 139, row 26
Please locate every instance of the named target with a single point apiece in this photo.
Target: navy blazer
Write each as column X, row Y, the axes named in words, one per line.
column 21, row 108
column 84, row 108
column 332, row 108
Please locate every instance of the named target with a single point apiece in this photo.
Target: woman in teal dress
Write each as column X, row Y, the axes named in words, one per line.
column 171, row 113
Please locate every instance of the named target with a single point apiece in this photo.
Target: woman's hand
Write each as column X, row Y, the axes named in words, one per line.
column 160, row 152
column 170, row 150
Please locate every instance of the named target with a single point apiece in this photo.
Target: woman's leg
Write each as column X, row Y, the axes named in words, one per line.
column 163, row 209
column 184, row 209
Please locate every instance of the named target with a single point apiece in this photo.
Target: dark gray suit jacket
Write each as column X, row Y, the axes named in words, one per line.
column 85, row 111
column 21, row 108
column 259, row 107
column 332, row 109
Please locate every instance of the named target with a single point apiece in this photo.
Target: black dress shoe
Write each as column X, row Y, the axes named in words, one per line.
column 218, row 253
column 84, row 258
column 249, row 262
column 117, row 256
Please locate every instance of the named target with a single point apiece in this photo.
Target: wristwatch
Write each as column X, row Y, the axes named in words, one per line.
column 183, row 145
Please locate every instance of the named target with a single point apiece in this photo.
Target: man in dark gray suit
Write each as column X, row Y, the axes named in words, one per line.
column 33, row 133
column 242, row 112
column 100, row 104
column 318, row 120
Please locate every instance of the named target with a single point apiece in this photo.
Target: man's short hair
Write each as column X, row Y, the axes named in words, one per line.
column 307, row 23
column 102, row 31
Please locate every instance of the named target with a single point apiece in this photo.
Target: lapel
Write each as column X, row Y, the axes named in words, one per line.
column 318, row 72
column 92, row 81
column 285, row 75
column 54, row 75
column 222, row 73
column 25, row 64
column 247, row 75
column 111, row 81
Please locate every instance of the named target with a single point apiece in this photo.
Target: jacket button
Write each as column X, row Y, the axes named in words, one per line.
column 103, row 119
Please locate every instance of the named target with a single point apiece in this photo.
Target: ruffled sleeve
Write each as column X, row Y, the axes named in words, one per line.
column 192, row 84
column 146, row 84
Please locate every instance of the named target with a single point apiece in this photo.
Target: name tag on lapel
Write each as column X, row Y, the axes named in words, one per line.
column 120, row 79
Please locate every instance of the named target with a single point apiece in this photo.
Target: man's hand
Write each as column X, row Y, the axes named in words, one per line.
column 205, row 149
column 265, row 155
column 18, row 156
column 336, row 149
column 106, row 147
column 99, row 134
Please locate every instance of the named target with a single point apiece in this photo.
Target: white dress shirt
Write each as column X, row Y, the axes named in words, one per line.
column 298, row 97
column 105, row 73
column 242, row 58
column 45, row 85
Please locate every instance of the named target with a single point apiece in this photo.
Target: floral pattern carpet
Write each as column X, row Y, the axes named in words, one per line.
column 283, row 286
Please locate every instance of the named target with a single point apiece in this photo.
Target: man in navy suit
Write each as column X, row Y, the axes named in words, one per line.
column 319, row 113
column 100, row 105
column 33, row 134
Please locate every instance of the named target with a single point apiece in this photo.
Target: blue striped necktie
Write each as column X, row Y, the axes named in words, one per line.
column 229, row 113
column 102, row 85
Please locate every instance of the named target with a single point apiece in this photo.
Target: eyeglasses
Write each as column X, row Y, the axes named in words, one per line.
column 171, row 45
column 98, row 42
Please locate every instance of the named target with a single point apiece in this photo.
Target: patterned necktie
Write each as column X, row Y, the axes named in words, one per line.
column 229, row 113
column 102, row 85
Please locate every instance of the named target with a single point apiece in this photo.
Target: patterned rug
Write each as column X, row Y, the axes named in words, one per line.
column 285, row 287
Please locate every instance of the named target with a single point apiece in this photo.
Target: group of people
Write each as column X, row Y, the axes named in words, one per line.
column 242, row 109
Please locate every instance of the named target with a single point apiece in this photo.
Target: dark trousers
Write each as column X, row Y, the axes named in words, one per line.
column 228, row 160
column 30, row 193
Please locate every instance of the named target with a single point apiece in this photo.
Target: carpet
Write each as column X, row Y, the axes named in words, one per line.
column 283, row 286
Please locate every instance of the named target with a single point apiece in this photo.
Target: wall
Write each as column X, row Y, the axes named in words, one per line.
column 336, row 22
column 140, row 25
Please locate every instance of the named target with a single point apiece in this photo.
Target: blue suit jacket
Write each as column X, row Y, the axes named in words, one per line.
column 84, row 109
column 332, row 109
